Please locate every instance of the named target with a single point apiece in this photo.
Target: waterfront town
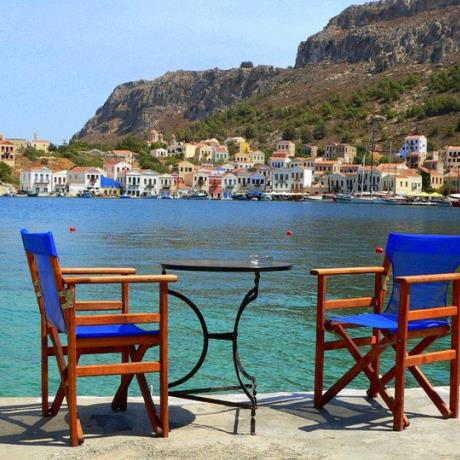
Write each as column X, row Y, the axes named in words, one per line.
column 210, row 169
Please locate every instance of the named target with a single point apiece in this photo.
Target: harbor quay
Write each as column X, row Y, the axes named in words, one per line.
column 350, row 427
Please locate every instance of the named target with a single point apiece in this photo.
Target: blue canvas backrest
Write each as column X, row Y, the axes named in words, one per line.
column 411, row 254
column 42, row 248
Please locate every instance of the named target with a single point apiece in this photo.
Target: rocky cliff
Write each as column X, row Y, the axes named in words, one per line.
column 165, row 102
column 380, row 36
column 386, row 33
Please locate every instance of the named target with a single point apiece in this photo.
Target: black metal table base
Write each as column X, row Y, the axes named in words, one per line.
column 249, row 389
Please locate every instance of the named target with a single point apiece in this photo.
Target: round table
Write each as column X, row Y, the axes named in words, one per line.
column 229, row 266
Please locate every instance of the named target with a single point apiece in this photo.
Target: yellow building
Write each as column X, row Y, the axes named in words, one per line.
column 404, row 182
column 40, row 144
column 185, row 167
column 244, row 147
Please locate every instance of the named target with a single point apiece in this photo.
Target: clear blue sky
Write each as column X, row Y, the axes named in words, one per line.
column 62, row 58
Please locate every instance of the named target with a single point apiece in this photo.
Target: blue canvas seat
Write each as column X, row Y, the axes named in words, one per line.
column 120, row 333
column 418, row 269
column 112, row 330
column 387, row 321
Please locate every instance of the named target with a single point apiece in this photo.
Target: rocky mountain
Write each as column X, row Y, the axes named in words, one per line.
column 167, row 101
column 384, row 39
column 386, row 33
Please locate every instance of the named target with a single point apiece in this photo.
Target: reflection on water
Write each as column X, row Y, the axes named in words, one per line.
column 277, row 331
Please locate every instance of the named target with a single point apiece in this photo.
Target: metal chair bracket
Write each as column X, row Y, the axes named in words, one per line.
column 67, row 295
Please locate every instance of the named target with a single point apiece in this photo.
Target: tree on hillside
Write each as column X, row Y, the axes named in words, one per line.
column 320, row 130
column 5, row 172
column 250, row 132
column 306, row 135
column 289, row 134
column 133, row 143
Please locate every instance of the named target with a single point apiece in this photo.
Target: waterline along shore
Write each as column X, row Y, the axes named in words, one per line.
column 234, row 169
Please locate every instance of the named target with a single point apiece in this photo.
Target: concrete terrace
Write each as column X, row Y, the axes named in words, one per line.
column 287, row 427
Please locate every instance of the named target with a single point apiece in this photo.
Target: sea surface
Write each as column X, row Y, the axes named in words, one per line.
column 277, row 331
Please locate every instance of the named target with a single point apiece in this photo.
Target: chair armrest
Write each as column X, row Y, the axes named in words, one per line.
column 435, row 278
column 126, row 318
column 98, row 271
column 346, row 271
column 73, row 280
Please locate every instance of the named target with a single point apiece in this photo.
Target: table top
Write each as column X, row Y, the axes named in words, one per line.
column 224, row 265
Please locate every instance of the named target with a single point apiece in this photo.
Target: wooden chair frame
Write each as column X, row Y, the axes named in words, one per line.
column 131, row 348
column 381, row 340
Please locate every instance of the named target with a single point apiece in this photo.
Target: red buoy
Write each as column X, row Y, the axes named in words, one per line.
column 289, row 233
column 379, row 250
column 72, row 229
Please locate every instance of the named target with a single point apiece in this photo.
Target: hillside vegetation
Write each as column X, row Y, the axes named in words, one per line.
column 411, row 101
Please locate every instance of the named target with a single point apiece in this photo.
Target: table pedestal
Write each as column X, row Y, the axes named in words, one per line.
column 249, row 389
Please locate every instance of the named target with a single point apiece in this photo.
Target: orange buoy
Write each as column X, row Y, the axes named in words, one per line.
column 289, row 233
column 72, row 229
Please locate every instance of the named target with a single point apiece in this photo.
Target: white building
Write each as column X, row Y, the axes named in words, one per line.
column 345, row 151
column 452, row 157
column 291, row 180
column 257, row 182
column 279, row 160
column 84, row 179
column 414, row 144
column 184, row 149
column 201, row 180
column 257, row 157
column 159, row 153
column 243, row 177
column 115, row 169
column 60, row 181
column 166, row 185
column 36, row 180
column 229, row 185
column 286, row 147
column 219, row 153
column 141, row 182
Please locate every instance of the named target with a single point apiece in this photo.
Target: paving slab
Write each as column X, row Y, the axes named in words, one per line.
column 352, row 426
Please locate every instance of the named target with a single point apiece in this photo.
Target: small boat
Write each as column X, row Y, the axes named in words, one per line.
column 32, row 194
column 125, row 197
column 265, row 197
column 442, row 203
column 198, row 196
column 313, row 198
column 240, row 197
column 340, row 198
column 166, row 197
column 85, row 195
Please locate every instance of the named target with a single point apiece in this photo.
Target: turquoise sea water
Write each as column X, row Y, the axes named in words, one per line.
column 277, row 334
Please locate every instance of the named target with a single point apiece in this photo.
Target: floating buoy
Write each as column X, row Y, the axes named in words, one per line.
column 289, row 233
column 72, row 229
column 379, row 250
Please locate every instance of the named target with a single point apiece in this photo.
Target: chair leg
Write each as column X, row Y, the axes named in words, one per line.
column 150, row 407
column 164, row 404
column 455, row 363
column 128, row 378
column 123, row 400
column 74, row 422
column 373, row 390
column 319, row 368
column 400, row 382
column 44, row 371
